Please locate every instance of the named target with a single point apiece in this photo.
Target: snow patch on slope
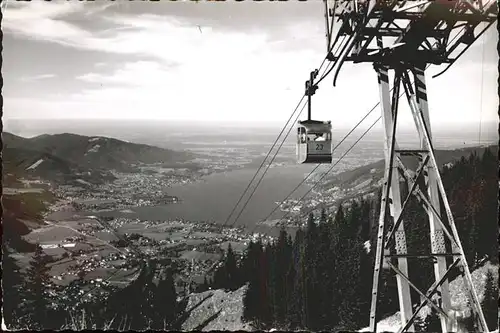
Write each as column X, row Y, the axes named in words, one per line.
column 94, row 149
column 34, row 165
column 367, row 246
column 81, row 181
column 226, row 308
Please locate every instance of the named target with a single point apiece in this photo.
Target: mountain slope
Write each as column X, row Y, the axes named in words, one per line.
column 107, row 153
column 66, row 157
column 12, row 140
column 221, row 310
column 21, row 212
column 369, row 175
column 25, row 162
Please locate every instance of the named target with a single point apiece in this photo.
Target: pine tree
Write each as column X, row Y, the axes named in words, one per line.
column 295, row 317
column 489, row 212
column 432, row 322
column 473, row 241
column 250, row 300
column 366, row 264
column 349, row 248
column 311, row 276
column 327, row 292
column 11, row 282
column 388, row 294
column 365, row 286
column 131, row 306
column 149, row 298
column 290, row 298
column 311, row 225
column 267, row 288
column 220, row 277
column 139, row 296
column 204, row 286
column 323, row 216
column 249, row 263
column 166, row 300
column 490, row 302
column 253, row 267
column 231, row 270
column 37, row 299
column 280, row 253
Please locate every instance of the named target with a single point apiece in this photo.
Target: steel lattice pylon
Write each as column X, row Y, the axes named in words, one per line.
column 406, row 37
column 428, row 194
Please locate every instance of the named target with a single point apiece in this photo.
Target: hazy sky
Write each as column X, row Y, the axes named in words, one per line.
column 204, row 61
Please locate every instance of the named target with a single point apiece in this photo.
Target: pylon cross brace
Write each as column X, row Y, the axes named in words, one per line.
column 428, row 191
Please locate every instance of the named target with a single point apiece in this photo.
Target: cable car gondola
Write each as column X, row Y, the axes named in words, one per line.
column 314, row 141
column 314, row 138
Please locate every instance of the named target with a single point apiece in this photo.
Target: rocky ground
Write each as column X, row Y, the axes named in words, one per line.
column 216, row 310
column 458, row 297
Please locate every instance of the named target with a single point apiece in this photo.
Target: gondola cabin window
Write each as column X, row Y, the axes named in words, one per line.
column 301, row 137
column 314, row 142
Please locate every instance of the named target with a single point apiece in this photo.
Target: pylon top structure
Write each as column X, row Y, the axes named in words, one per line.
column 387, row 31
column 406, row 37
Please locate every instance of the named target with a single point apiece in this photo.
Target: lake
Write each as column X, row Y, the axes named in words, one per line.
column 214, row 198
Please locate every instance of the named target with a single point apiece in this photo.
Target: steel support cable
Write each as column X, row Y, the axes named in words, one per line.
column 331, row 168
column 332, row 25
column 463, row 51
column 312, row 171
column 262, row 164
column 263, row 161
column 333, row 65
column 321, row 78
column 274, row 144
column 324, row 75
column 331, row 48
column 374, row 107
column 267, row 168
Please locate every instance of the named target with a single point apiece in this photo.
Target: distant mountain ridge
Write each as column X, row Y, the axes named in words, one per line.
column 69, row 156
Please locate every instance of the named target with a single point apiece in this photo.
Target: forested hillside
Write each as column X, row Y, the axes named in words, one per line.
column 149, row 302
column 321, row 280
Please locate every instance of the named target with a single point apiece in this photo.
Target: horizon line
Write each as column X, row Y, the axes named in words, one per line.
column 484, row 121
